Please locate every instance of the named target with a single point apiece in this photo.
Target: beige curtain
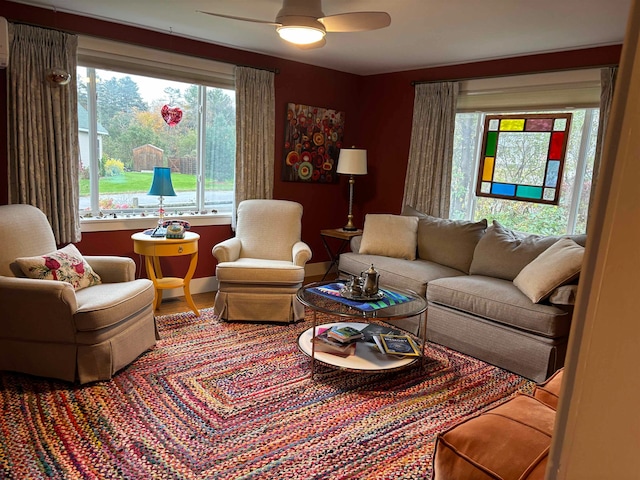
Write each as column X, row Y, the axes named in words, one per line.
column 427, row 185
column 607, row 84
column 255, row 134
column 43, row 127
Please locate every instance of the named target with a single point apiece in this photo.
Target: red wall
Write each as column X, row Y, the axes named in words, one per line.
column 378, row 111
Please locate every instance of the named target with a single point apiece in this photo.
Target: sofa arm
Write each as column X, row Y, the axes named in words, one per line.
column 37, row 309
column 301, row 254
column 113, row 269
column 564, row 295
column 227, row 251
column 354, row 244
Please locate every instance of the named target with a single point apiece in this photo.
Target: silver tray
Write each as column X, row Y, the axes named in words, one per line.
column 345, row 293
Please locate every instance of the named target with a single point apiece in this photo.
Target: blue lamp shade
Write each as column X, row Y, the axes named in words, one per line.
column 161, row 184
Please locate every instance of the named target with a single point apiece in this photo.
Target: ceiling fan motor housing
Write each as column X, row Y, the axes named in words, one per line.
column 300, row 8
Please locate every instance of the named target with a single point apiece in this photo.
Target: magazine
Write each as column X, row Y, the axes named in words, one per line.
column 399, row 345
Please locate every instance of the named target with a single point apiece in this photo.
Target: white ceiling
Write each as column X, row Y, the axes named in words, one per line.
column 423, row 33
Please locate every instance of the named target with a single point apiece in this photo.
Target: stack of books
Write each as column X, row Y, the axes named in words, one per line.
column 339, row 341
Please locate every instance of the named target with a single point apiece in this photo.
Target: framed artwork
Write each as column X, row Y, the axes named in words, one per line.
column 522, row 157
column 312, row 141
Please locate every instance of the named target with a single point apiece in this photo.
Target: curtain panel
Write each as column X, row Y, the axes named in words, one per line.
column 255, row 134
column 43, row 127
column 428, row 180
column 607, row 85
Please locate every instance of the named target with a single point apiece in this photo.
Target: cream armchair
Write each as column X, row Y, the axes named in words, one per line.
column 260, row 270
column 49, row 329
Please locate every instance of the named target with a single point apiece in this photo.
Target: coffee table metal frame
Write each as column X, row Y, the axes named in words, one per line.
column 320, row 303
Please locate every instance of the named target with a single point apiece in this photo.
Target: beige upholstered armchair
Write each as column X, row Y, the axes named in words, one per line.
column 51, row 329
column 260, row 270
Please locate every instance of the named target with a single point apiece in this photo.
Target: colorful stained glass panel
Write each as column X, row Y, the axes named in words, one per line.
column 523, row 157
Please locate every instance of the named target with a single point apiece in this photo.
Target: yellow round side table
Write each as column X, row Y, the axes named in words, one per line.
column 152, row 248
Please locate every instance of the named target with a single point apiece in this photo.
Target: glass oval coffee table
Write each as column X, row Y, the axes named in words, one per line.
column 395, row 304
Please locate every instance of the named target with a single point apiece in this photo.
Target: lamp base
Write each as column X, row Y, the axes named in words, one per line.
column 348, row 228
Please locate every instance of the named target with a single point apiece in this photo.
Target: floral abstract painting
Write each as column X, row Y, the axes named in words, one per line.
column 312, row 141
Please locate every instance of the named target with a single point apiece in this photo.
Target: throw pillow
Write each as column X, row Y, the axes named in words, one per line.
column 447, row 242
column 66, row 265
column 390, row 235
column 502, row 253
column 554, row 267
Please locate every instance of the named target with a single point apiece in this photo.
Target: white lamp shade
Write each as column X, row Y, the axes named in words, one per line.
column 352, row 161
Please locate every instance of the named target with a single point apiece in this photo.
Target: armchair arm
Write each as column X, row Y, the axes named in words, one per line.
column 37, row 309
column 355, row 242
column 227, row 251
column 301, row 254
column 113, row 269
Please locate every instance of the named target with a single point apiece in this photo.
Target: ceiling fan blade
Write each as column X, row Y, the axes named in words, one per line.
column 356, row 21
column 309, row 46
column 243, row 19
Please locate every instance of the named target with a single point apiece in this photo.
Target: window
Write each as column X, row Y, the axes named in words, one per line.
column 142, row 122
column 569, row 216
column 139, row 108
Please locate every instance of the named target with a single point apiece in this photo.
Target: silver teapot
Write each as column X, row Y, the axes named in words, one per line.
column 369, row 281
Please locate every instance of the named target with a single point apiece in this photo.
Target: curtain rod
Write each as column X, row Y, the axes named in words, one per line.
column 485, row 77
column 72, row 32
column 274, row 70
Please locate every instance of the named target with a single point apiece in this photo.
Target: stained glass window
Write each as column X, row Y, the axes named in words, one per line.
column 522, row 157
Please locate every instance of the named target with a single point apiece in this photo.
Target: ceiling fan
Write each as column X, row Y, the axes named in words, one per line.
column 303, row 23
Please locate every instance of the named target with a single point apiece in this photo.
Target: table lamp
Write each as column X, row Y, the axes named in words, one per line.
column 352, row 161
column 161, row 186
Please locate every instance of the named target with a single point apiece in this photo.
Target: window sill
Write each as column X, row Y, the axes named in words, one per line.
column 108, row 224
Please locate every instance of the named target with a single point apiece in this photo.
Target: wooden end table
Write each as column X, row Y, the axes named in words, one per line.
column 152, row 248
column 339, row 233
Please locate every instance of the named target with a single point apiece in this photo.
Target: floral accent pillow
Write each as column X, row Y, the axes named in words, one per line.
column 65, row 265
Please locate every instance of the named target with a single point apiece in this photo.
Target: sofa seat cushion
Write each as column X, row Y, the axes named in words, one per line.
column 500, row 301
column 105, row 305
column 509, row 442
column 260, row 271
column 396, row 272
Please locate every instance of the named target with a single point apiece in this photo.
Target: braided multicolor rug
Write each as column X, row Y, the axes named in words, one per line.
column 220, row 400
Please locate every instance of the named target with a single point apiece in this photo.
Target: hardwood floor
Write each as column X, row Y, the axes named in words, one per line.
column 202, row 300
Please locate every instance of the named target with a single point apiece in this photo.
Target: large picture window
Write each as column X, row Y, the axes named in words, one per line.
column 130, row 123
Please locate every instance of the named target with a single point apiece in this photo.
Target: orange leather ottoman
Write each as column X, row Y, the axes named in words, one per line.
column 508, row 442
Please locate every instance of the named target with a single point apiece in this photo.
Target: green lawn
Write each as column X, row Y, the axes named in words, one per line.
column 134, row 182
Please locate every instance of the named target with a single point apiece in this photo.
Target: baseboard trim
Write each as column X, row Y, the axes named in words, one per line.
column 210, row 284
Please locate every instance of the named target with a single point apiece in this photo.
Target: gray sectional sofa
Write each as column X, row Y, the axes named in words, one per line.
column 502, row 296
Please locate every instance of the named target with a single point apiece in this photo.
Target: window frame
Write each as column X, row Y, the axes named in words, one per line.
column 95, row 53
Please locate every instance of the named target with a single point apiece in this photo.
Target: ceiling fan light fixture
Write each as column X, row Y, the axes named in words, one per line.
column 300, row 35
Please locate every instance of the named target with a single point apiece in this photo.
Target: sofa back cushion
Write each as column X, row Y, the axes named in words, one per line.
column 389, row 236
column 448, row 242
column 503, row 253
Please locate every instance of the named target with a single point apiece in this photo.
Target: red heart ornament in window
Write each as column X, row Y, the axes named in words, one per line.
column 171, row 115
